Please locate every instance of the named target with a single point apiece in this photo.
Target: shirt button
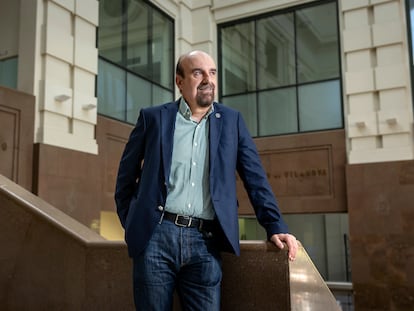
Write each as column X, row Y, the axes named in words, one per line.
column 192, row 184
column 189, row 205
column 194, row 164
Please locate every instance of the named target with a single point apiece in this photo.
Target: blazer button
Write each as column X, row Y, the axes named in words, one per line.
column 160, row 208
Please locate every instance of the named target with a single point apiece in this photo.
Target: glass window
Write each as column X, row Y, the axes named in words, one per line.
column 320, row 106
column 289, row 61
column 111, row 90
column 8, row 72
column 136, row 48
column 278, row 112
column 276, row 51
column 317, row 43
column 246, row 105
column 238, row 59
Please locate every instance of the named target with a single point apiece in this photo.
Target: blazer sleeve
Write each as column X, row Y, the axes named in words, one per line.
column 251, row 172
column 130, row 167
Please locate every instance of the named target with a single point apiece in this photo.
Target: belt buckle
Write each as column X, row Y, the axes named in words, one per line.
column 181, row 224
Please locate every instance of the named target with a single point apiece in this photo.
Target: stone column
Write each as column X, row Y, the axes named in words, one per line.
column 377, row 86
column 58, row 61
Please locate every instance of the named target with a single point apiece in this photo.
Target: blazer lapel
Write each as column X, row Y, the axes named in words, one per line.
column 215, row 131
column 167, row 124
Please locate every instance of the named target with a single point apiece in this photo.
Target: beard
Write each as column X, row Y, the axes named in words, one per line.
column 205, row 95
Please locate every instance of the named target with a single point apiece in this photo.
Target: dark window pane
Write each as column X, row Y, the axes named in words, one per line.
column 110, row 30
column 137, row 49
column 317, row 43
column 276, row 51
column 111, row 90
column 8, row 72
column 320, row 106
column 160, row 95
column 138, row 96
column 238, row 58
column 278, row 112
column 246, row 104
column 163, row 50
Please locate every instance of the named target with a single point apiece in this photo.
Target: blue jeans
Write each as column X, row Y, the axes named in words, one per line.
column 181, row 259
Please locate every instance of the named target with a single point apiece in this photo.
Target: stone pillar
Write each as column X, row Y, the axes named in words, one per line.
column 58, row 62
column 377, row 87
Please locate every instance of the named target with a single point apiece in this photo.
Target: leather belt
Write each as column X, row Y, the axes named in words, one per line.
column 189, row 221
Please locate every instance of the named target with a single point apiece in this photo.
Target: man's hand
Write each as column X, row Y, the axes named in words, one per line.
column 290, row 241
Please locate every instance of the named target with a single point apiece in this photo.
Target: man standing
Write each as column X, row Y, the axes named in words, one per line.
column 176, row 192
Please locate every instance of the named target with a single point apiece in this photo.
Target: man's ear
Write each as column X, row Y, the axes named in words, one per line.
column 178, row 81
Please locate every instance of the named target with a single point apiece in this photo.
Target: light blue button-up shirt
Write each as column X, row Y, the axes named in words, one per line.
column 189, row 190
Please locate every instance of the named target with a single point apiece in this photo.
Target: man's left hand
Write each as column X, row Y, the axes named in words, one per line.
column 290, row 241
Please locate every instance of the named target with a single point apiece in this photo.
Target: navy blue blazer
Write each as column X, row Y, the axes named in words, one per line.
column 141, row 186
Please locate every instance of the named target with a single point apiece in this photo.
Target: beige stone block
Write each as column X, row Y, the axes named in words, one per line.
column 357, row 39
column 67, row 4
column 353, row 4
column 388, row 77
column 85, row 107
column 387, row 33
column 84, row 129
column 183, row 30
column 55, row 98
column 89, row 10
column 359, row 82
column 397, row 140
column 380, row 155
column 357, row 18
column 67, row 140
column 364, row 143
column 203, row 25
column 387, row 12
column 362, row 125
column 54, row 122
column 394, row 99
column 390, row 54
column 58, row 70
column 58, row 39
column 83, row 81
column 86, row 54
column 360, row 60
column 381, row 1
column 362, row 103
column 391, row 122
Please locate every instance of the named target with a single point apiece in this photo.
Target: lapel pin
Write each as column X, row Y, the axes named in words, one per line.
column 218, row 115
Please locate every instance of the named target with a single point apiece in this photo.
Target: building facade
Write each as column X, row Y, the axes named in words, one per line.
column 325, row 88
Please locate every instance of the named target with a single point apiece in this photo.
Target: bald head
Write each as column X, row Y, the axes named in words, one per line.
column 179, row 70
column 196, row 78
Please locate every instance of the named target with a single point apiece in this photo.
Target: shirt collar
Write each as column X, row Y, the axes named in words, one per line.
column 186, row 111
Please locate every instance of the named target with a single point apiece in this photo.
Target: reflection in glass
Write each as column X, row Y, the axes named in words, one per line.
column 246, row 104
column 276, row 51
column 317, row 43
column 138, row 96
column 111, row 90
column 238, row 58
column 278, row 112
column 320, row 106
column 160, row 95
column 110, row 30
column 150, row 44
column 138, row 58
column 8, row 72
column 138, row 40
